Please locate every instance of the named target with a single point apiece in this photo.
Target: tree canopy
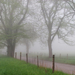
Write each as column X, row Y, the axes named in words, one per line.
column 13, row 26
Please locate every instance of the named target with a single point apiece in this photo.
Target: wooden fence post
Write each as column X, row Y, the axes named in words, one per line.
column 20, row 55
column 53, row 68
column 27, row 58
column 37, row 62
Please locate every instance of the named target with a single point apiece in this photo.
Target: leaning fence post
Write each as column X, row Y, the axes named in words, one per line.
column 27, row 58
column 20, row 55
column 37, row 62
column 53, row 68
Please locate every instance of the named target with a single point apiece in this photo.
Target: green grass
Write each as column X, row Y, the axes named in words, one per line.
column 63, row 59
column 11, row 66
column 69, row 60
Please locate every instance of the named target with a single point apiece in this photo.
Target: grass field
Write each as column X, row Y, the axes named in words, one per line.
column 10, row 66
column 70, row 60
column 62, row 59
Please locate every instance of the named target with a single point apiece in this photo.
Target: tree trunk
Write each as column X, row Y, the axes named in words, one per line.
column 10, row 51
column 50, row 46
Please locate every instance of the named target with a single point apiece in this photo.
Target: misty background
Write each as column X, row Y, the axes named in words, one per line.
column 34, row 21
column 59, row 47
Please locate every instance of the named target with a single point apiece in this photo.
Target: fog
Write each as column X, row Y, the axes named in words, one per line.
column 59, row 47
column 37, row 25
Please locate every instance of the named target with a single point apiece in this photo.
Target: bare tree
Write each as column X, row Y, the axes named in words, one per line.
column 32, row 36
column 70, row 23
column 51, row 10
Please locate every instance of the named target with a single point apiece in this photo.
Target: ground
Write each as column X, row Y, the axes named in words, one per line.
column 11, row 66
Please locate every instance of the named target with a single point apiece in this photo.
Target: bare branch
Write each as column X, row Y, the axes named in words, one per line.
column 57, row 28
column 24, row 13
column 44, row 12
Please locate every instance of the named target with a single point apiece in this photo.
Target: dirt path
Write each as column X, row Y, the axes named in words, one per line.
column 66, row 68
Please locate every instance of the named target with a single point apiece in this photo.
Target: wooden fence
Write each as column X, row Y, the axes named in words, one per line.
column 37, row 61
